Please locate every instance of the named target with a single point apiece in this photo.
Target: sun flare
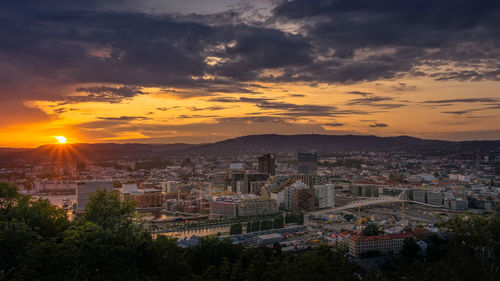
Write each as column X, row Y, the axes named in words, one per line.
column 61, row 139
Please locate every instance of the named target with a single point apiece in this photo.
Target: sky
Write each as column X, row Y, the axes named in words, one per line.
column 156, row 71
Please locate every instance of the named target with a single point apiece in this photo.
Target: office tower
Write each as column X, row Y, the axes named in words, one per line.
column 85, row 189
column 307, row 163
column 250, row 178
column 267, row 164
column 324, row 196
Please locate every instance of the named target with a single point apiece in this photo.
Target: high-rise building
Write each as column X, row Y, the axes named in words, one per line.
column 249, row 178
column 84, row 190
column 324, row 196
column 267, row 164
column 307, row 163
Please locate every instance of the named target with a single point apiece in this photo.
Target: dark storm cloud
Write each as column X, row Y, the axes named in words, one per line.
column 126, row 92
column 461, row 33
column 379, row 125
column 49, row 44
column 104, row 94
column 292, row 109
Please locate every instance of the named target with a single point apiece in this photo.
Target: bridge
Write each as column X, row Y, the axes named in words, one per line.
column 373, row 201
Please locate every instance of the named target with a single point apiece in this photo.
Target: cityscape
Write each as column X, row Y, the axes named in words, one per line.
column 250, row 140
column 295, row 201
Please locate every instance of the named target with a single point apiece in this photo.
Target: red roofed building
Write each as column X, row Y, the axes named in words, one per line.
column 386, row 244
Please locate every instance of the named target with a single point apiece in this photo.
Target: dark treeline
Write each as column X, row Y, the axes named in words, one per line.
column 38, row 242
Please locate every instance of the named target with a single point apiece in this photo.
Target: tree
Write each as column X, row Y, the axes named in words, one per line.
column 256, row 226
column 279, row 222
column 107, row 210
column 236, row 229
column 24, row 222
column 410, row 249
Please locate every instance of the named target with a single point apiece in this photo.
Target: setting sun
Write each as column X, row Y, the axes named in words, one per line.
column 61, row 139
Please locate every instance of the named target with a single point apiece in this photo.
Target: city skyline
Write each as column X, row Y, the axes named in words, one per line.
column 205, row 71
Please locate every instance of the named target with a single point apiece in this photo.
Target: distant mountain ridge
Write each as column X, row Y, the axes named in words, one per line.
column 314, row 142
column 255, row 144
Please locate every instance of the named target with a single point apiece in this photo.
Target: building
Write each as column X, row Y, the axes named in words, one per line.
column 303, row 200
column 232, row 179
column 299, row 197
column 57, row 187
column 257, row 206
column 169, row 186
column 365, row 190
column 148, row 198
column 310, row 180
column 387, row 244
column 456, row 204
column 462, row 178
column 250, row 178
column 235, row 206
column 324, row 196
column 224, row 207
column 269, row 239
column 434, row 198
column 85, row 189
column 307, row 163
column 418, row 195
column 267, row 164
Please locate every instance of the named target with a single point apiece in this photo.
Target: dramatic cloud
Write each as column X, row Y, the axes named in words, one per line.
column 104, row 94
column 359, row 93
column 211, row 108
column 176, row 63
column 337, row 41
column 334, row 124
column 379, row 125
column 375, row 101
column 124, row 118
column 468, row 100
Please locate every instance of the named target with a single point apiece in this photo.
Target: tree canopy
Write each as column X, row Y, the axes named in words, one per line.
column 38, row 242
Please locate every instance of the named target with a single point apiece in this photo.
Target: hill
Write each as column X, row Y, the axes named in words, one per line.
column 255, row 144
column 250, row 145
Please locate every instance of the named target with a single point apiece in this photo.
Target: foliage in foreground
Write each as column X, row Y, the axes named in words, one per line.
column 37, row 242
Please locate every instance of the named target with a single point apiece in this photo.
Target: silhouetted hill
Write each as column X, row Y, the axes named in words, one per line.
column 97, row 151
column 255, row 144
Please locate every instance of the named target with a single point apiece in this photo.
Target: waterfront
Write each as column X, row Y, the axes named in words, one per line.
column 181, row 234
